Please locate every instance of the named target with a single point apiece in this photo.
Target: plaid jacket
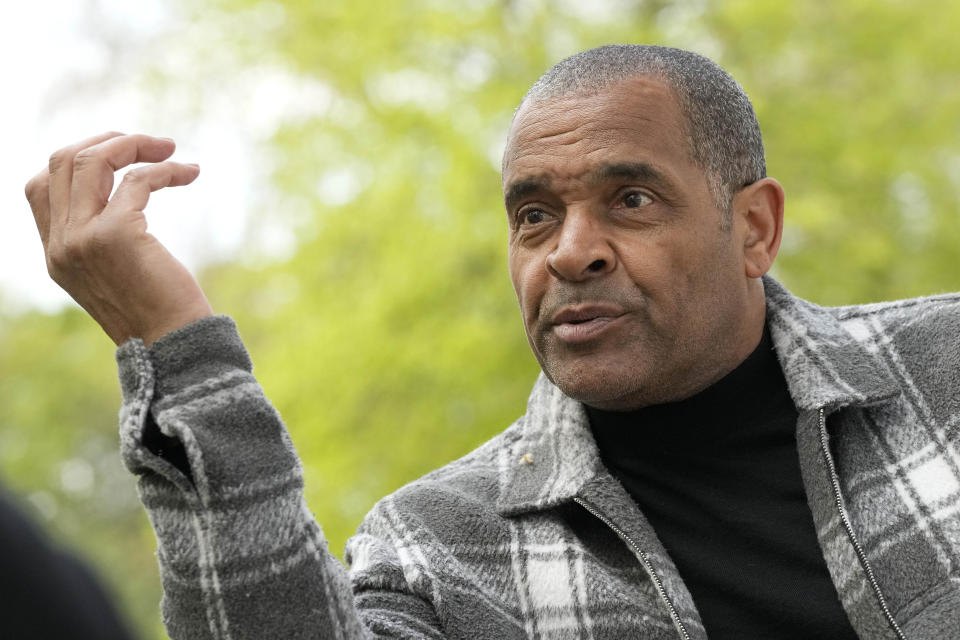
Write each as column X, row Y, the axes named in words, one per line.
column 529, row 536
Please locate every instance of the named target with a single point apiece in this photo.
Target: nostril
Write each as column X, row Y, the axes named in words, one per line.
column 597, row 265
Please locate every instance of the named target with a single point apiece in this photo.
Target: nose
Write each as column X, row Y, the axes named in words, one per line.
column 582, row 251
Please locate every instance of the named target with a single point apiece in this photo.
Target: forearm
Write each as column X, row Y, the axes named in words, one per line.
column 240, row 554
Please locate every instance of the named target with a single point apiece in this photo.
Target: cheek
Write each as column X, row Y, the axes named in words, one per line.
column 516, row 275
column 675, row 275
column 528, row 281
column 713, row 284
column 658, row 266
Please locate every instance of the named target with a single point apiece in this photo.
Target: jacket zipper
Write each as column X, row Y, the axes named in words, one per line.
column 838, row 500
column 645, row 561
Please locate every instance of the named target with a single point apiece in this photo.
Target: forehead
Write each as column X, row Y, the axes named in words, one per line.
column 637, row 120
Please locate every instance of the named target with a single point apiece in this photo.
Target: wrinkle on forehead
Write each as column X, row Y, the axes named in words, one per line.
column 595, row 121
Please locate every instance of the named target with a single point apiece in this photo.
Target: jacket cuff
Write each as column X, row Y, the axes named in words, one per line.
column 189, row 355
column 181, row 366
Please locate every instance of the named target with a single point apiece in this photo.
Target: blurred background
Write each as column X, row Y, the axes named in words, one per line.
column 348, row 211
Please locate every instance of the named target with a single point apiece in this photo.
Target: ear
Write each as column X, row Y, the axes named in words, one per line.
column 758, row 216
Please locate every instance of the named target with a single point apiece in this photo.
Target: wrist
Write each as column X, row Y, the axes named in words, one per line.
column 167, row 325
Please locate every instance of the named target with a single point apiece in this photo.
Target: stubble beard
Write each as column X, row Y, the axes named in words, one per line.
column 612, row 374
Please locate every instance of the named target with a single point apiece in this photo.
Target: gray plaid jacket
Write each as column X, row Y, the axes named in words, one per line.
column 529, row 536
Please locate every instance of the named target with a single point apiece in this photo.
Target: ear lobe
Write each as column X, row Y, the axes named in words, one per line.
column 759, row 206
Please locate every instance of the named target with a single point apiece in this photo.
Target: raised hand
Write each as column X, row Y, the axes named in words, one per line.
column 98, row 248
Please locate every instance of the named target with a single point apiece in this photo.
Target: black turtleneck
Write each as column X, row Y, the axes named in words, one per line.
column 718, row 477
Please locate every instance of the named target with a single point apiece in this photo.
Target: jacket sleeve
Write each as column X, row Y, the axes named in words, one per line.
column 241, row 556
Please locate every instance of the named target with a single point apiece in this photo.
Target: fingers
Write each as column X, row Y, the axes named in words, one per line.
column 38, row 188
column 137, row 185
column 94, row 166
column 78, row 179
column 38, row 195
column 60, row 169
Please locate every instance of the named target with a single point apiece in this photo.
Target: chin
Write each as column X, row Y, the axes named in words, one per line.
column 597, row 387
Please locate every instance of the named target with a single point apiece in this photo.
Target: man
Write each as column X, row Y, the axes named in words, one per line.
column 704, row 454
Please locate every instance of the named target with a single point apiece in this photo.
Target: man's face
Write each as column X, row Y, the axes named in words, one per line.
column 631, row 290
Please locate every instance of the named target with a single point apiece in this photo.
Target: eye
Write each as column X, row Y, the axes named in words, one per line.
column 634, row 199
column 532, row 216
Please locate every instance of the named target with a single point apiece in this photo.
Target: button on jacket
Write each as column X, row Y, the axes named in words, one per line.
column 529, row 536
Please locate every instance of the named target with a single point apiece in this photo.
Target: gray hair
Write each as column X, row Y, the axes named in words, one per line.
column 721, row 126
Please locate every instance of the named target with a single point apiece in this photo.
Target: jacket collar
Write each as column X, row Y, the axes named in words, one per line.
column 823, row 362
column 825, row 366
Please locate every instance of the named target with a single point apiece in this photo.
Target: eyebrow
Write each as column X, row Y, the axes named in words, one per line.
column 637, row 171
column 525, row 187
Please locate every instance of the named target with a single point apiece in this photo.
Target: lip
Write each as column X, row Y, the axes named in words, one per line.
column 583, row 323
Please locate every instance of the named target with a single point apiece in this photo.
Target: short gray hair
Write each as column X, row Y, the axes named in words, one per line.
column 721, row 125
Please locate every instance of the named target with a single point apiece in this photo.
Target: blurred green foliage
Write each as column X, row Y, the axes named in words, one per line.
column 390, row 340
